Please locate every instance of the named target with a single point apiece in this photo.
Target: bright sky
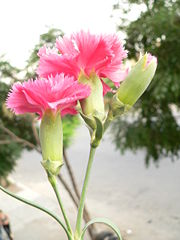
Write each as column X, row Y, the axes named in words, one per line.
column 22, row 22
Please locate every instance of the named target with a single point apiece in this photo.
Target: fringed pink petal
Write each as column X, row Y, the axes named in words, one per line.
column 106, row 88
column 85, row 52
column 70, row 111
column 54, row 63
column 66, row 46
column 93, row 51
column 55, row 93
column 116, row 76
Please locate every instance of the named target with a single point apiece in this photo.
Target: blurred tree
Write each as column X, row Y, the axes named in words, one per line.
column 19, row 125
column 154, row 126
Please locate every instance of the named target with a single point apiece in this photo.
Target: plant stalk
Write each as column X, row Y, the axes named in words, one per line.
column 53, row 182
column 83, row 194
column 86, row 215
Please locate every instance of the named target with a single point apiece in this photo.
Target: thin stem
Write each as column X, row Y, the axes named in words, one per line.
column 86, row 217
column 83, row 194
column 52, row 180
column 74, row 183
column 38, row 207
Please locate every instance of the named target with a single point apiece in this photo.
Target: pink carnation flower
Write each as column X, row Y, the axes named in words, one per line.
column 55, row 93
column 85, row 53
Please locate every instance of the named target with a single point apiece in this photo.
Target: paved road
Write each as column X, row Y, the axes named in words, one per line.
column 143, row 202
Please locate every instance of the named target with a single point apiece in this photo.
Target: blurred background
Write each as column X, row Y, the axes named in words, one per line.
column 136, row 174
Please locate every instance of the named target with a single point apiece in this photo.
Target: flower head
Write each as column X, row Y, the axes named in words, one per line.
column 53, row 93
column 85, row 53
column 50, row 98
column 89, row 58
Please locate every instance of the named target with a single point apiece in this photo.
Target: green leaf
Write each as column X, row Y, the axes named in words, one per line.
column 103, row 221
column 88, row 120
column 98, row 133
column 35, row 205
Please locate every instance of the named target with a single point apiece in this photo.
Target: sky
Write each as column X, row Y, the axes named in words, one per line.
column 22, row 22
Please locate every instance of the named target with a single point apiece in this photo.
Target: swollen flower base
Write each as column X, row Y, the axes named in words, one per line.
column 51, row 138
column 76, row 73
column 94, row 104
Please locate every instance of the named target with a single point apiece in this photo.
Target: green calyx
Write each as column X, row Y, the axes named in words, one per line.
column 96, row 128
column 136, row 82
column 92, row 108
column 51, row 139
column 94, row 104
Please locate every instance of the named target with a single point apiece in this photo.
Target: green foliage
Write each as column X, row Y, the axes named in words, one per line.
column 155, row 127
column 22, row 126
column 69, row 125
column 8, row 156
column 6, row 69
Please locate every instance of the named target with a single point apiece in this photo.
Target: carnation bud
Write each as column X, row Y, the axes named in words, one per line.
column 51, row 139
column 137, row 80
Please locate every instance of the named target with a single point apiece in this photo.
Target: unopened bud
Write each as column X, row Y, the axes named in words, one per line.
column 137, row 80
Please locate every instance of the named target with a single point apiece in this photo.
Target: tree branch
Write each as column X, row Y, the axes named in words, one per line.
column 2, row 142
column 66, row 186
column 18, row 139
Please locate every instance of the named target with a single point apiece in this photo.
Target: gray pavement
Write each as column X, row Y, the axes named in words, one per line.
column 144, row 203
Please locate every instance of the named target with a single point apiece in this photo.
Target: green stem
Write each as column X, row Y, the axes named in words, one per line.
column 83, row 194
column 52, row 180
column 38, row 207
